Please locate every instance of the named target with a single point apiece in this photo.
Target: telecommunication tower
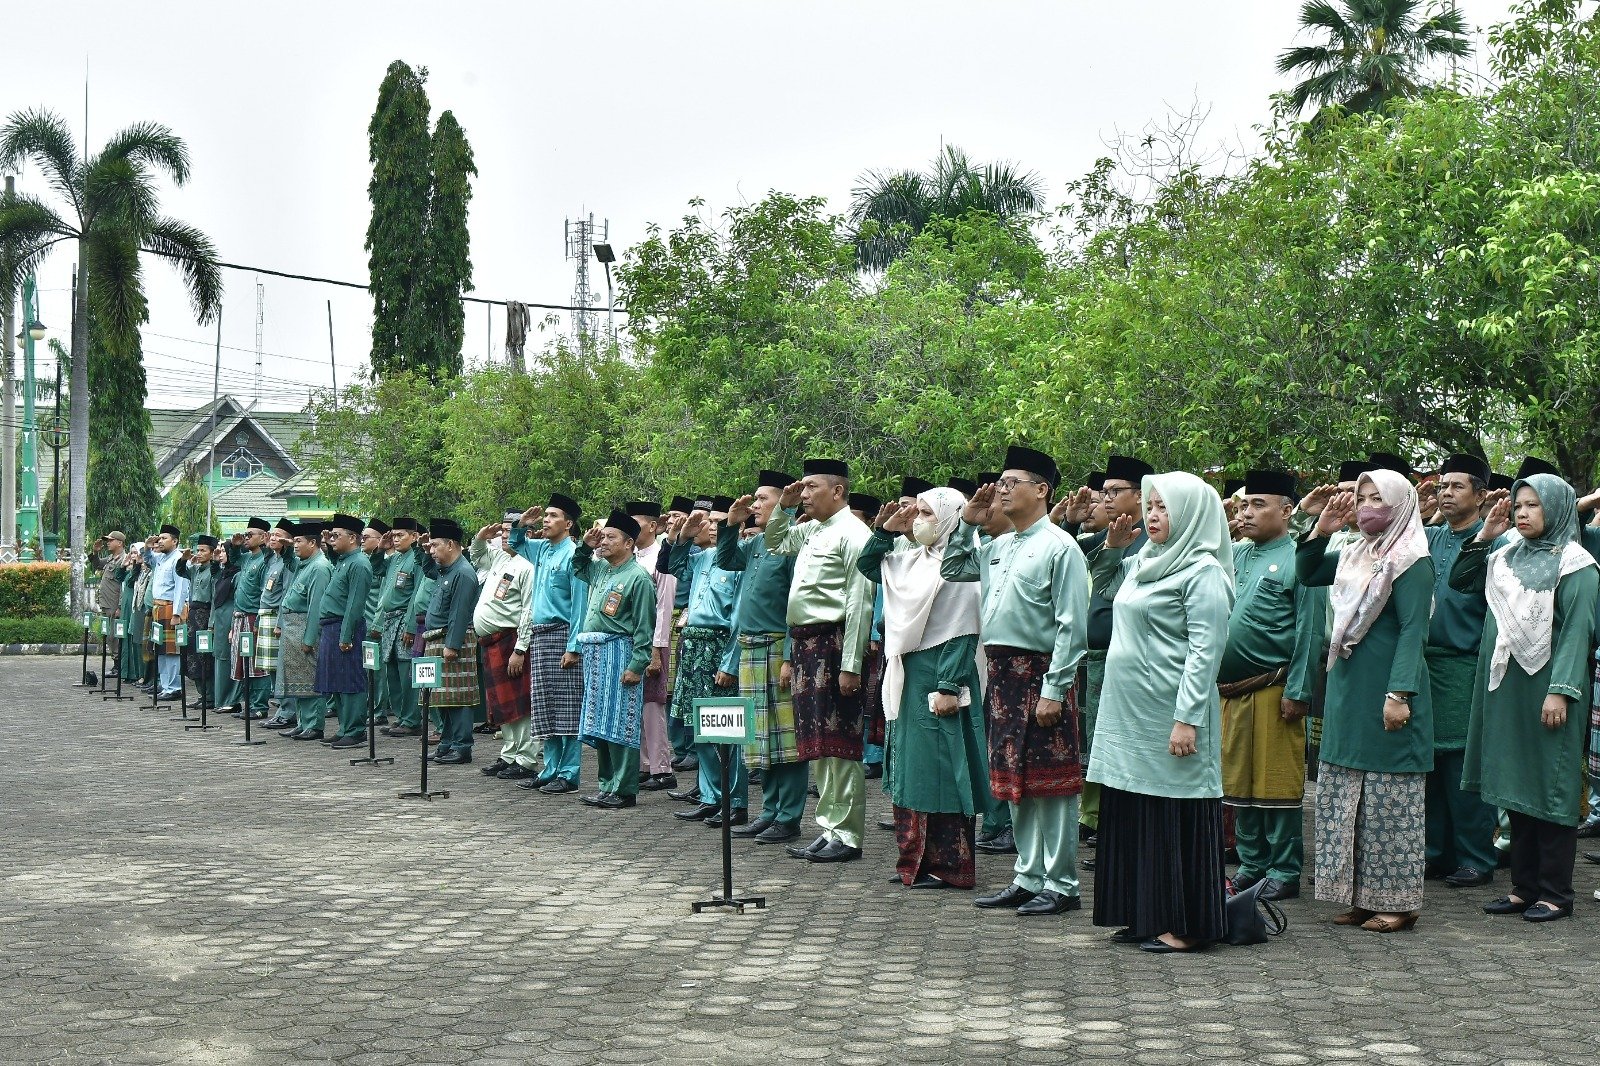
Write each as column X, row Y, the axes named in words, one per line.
column 581, row 237
column 261, row 325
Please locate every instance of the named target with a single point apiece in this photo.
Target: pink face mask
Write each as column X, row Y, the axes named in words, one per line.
column 1374, row 520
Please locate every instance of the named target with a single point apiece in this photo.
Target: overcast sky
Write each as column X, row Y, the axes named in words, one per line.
column 625, row 109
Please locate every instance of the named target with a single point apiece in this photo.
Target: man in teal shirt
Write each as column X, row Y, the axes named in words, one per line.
column 1034, row 622
column 246, row 608
column 342, row 614
column 392, row 618
column 297, row 676
column 449, row 637
column 379, row 549
column 278, row 570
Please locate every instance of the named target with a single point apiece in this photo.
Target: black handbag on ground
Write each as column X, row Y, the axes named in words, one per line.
column 1253, row 920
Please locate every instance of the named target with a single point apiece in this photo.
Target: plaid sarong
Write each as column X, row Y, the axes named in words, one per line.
column 161, row 612
column 505, row 698
column 760, row 660
column 458, row 680
column 269, row 641
column 297, row 672
column 700, row 651
column 612, row 711
column 338, row 671
column 827, row 723
column 242, row 622
column 555, row 696
column 1026, row 759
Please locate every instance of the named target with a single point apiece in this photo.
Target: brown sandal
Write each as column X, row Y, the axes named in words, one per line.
column 1390, row 925
column 1353, row 916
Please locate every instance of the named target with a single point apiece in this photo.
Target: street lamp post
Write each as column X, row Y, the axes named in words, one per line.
column 28, row 512
column 604, row 253
column 55, row 437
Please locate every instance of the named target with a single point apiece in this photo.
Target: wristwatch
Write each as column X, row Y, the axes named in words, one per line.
column 1398, row 697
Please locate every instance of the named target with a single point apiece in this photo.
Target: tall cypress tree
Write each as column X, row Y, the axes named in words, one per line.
column 399, row 149
column 124, row 491
column 447, row 262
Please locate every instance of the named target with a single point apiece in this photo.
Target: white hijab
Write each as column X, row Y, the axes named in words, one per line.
column 921, row 609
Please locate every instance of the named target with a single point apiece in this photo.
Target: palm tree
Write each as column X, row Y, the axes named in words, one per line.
column 889, row 208
column 113, row 213
column 1374, row 51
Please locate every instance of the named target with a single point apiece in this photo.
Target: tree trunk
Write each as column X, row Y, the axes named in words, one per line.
column 78, row 491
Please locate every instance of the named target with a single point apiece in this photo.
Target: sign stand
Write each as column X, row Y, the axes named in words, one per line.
column 247, row 649
column 369, row 660
column 182, row 641
column 726, row 721
column 202, row 646
column 122, row 632
column 83, row 674
column 102, row 627
column 425, row 676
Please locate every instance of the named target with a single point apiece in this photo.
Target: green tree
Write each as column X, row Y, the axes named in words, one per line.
column 124, row 488
column 189, row 504
column 888, row 208
column 113, row 213
column 399, row 149
column 1372, row 52
column 446, row 267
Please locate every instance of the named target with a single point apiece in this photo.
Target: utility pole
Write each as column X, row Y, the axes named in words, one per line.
column 8, row 440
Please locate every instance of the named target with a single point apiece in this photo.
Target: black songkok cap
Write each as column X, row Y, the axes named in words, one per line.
column 1389, row 461
column 1232, row 485
column 1470, row 465
column 308, row 530
column 1500, row 481
column 442, row 529
column 643, row 507
column 1127, row 468
column 699, row 503
column 1270, row 483
column 1096, row 480
column 172, row 531
column 624, row 523
column 1352, row 469
column 721, row 504
column 775, row 479
column 408, row 524
column 867, row 505
column 205, row 540
column 378, row 525
column 829, row 467
column 349, row 523
column 988, row 477
column 965, row 486
column 914, row 486
column 1034, row 462
column 681, row 504
column 1531, row 466
column 285, row 525
column 258, row 523
column 565, row 504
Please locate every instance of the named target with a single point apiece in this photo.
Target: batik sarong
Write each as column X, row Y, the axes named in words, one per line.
column 935, row 845
column 611, row 709
column 827, row 723
column 243, row 622
column 1026, row 759
column 1371, row 838
column 700, row 651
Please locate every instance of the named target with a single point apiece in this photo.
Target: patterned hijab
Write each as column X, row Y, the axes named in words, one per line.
column 1369, row 567
column 1521, row 587
column 1197, row 524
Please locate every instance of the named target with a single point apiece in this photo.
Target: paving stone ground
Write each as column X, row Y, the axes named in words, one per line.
column 176, row 898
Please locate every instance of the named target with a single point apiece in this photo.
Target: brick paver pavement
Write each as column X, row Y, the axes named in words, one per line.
column 172, row 897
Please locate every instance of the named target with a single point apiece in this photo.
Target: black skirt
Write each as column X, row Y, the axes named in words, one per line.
column 1159, row 865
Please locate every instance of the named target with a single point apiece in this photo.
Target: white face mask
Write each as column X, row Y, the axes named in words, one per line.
column 925, row 531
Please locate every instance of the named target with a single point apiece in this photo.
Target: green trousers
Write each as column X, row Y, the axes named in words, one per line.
column 1046, row 831
column 403, row 702
column 382, row 700
column 352, row 708
column 309, row 711
column 1094, row 671
column 228, row 691
column 842, row 800
column 619, row 768
column 1270, row 842
column 783, row 792
column 1460, row 826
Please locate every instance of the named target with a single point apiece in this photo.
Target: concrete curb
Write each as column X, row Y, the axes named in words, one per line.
column 46, row 649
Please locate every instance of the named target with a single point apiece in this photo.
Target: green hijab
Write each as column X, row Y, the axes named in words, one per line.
column 1537, row 562
column 1198, row 528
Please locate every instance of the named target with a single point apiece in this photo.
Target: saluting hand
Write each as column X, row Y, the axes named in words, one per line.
column 976, row 512
column 740, row 512
column 791, row 494
column 1316, row 500
column 1339, row 512
column 591, row 537
column 1497, row 523
column 885, row 513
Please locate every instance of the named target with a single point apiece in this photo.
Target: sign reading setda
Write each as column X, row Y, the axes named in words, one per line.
column 425, row 672
column 724, row 720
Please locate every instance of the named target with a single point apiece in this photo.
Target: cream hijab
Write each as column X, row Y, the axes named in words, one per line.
column 921, row 609
column 1369, row 567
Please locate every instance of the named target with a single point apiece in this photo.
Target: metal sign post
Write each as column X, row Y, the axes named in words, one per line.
column 729, row 723
column 83, row 674
column 122, row 633
column 247, row 651
column 100, row 624
column 202, row 646
column 369, row 662
column 425, row 676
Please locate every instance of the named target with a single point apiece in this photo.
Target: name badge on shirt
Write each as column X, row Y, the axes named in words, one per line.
column 504, row 587
column 271, row 582
column 402, row 579
column 612, row 604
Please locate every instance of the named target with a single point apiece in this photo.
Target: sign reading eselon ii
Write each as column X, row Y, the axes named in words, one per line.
column 724, row 720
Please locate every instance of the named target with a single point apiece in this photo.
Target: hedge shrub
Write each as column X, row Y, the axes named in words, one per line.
column 34, row 590
column 44, row 631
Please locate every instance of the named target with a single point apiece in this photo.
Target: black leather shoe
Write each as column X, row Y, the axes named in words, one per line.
column 453, row 757
column 1505, row 905
column 494, row 768
column 927, row 881
column 353, row 741
column 872, row 771
column 697, row 814
column 515, row 772
column 1273, row 889
column 290, row 734
column 755, row 828
column 1010, row 897
column 688, row 795
column 559, row 787
column 309, row 734
column 1049, row 902
column 1127, row 936
column 400, row 731
column 1591, row 856
column 836, row 851
column 886, row 824
column 594, row 800
column 811, row 790
column 1467, row 877
column 778, row 833
column 278, row 723
column 686, row 762
column 644, row 775
column 991, row 833
column 1543, row 912
column 1003, row 843
column 1087, row 863
column 1434, row 872
column 613, row 802
column 1591, row 828
column 1155, row 945
column 739, row 816
column 659, row 783
column 1245, row 883
column 805, row 852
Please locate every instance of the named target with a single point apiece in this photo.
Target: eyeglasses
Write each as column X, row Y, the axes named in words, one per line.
column 1006, row 484
column 1109, row 493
